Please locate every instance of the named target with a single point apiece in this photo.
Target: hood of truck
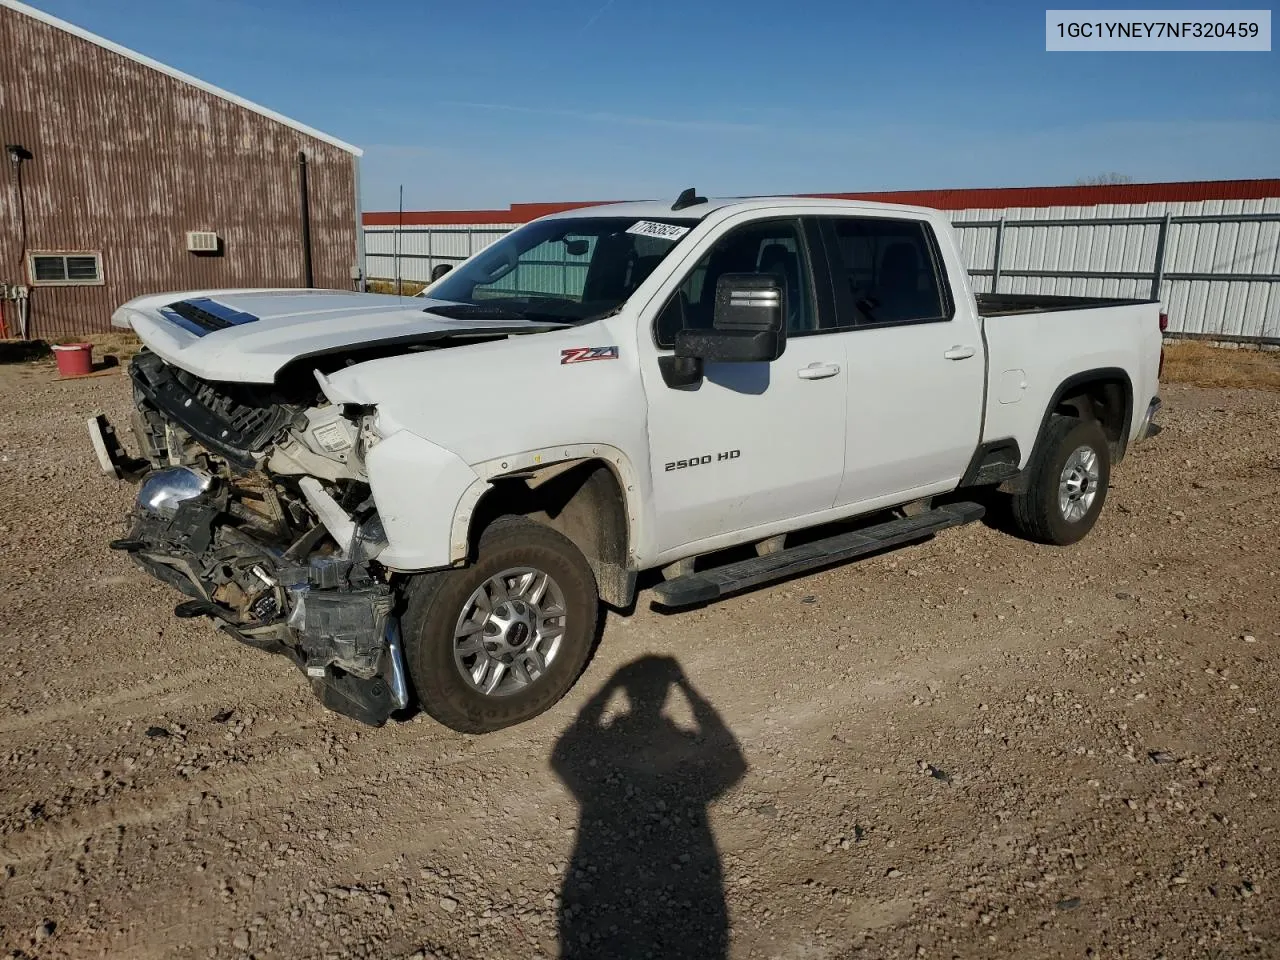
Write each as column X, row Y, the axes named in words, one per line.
column 248, row 336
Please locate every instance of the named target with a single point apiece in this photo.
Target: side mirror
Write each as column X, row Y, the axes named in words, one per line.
column 439, row 270
column 748, row 326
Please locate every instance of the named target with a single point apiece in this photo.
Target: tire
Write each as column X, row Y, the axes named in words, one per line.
column 1038, row 511
column 443, row 605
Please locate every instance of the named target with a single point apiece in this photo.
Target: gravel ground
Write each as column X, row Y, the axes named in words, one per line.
column 974, row 747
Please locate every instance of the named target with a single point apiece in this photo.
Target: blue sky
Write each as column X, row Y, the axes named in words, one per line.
column 490, row 102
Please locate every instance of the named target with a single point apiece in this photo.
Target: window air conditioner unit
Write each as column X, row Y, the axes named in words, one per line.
column 202, row 241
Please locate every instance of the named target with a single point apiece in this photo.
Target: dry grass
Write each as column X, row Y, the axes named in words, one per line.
column 120, row 344
column 407, row 287
column 1203, row 365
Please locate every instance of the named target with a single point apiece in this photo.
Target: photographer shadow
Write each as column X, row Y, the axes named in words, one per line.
column 645, row 877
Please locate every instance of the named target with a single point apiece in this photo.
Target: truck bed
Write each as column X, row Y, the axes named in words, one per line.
column 1036, row 344
column 1008, row 304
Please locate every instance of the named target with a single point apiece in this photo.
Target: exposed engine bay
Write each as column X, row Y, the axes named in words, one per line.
column 253, row 502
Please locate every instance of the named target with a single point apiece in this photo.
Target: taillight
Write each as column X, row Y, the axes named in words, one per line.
column 1164, row 322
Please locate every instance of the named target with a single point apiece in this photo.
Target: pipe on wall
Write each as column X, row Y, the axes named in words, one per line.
column 304, row 203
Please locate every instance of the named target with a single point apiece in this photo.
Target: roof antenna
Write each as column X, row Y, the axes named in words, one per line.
column 688, row 198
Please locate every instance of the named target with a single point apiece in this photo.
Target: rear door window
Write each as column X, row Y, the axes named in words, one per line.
column 886, row 271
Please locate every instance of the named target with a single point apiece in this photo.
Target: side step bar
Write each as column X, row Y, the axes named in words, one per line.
column 708, row 585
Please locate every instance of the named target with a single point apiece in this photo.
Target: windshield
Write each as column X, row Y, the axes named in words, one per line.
column 568, row 270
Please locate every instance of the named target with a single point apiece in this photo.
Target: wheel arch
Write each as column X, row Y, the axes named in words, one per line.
column 1103, row 390
column 583, row 495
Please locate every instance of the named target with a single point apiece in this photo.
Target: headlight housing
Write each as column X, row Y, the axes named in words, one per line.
column 162, row 491
column 370, row 539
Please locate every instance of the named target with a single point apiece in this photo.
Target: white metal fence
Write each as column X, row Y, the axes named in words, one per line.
column 411, row 253
column 1217, row 274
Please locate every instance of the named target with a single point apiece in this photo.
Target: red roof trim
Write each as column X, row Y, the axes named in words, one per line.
column 517, row 213
column 993, row 198
column 1121, row 193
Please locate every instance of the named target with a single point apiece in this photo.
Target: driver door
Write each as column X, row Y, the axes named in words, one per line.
column 754, row 445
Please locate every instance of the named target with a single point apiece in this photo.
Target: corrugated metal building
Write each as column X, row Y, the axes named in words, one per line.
column 1209, row 250
column 111, row 161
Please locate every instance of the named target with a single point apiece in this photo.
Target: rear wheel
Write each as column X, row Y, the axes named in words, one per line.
column 1066, row 484
column 501, row 641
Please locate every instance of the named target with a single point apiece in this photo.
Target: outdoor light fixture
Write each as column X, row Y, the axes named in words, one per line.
column 17, row 152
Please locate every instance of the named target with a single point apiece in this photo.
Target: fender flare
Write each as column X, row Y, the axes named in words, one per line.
column 627, row 477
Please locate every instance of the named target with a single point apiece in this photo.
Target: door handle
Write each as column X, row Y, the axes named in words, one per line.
column 818, row 371
column 960, row 352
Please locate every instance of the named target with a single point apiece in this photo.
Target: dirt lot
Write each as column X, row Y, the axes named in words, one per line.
column 975, row 747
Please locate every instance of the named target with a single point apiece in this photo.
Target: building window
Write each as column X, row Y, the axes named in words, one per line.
column 65, row 269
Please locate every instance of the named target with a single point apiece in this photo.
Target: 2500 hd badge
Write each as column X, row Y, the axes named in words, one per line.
column 703, row 460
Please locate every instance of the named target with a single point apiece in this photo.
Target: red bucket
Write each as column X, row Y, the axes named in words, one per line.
column 74, row 359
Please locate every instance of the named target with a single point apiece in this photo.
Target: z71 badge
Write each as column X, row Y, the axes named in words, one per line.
column 585, row 354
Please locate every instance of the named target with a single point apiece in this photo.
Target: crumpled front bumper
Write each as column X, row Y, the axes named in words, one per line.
column 326, row 613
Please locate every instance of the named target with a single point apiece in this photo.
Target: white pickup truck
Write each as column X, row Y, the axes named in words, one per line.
column 431, row 497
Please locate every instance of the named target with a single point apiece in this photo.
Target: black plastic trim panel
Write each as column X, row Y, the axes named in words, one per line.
column 1013, row 304
column 230, row 419
column 202, row 315
column 993, row 462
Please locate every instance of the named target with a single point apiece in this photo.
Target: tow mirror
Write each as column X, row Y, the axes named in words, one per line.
column 748, row 326
column 439, row 270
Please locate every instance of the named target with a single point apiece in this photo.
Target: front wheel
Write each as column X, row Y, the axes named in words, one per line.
column 501, row 641
column 1066, row 484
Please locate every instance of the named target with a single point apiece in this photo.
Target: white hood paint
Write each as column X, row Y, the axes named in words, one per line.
column 290, row 323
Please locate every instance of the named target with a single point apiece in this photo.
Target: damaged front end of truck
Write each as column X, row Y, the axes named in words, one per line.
column 253, row 502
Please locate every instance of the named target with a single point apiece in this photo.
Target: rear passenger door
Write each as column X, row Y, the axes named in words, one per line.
column 915, row 361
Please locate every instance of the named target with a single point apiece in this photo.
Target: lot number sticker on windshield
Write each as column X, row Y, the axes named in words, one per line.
column 663, row 231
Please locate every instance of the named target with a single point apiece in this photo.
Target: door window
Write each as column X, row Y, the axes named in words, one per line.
column 773, row 246
column 889, row 269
